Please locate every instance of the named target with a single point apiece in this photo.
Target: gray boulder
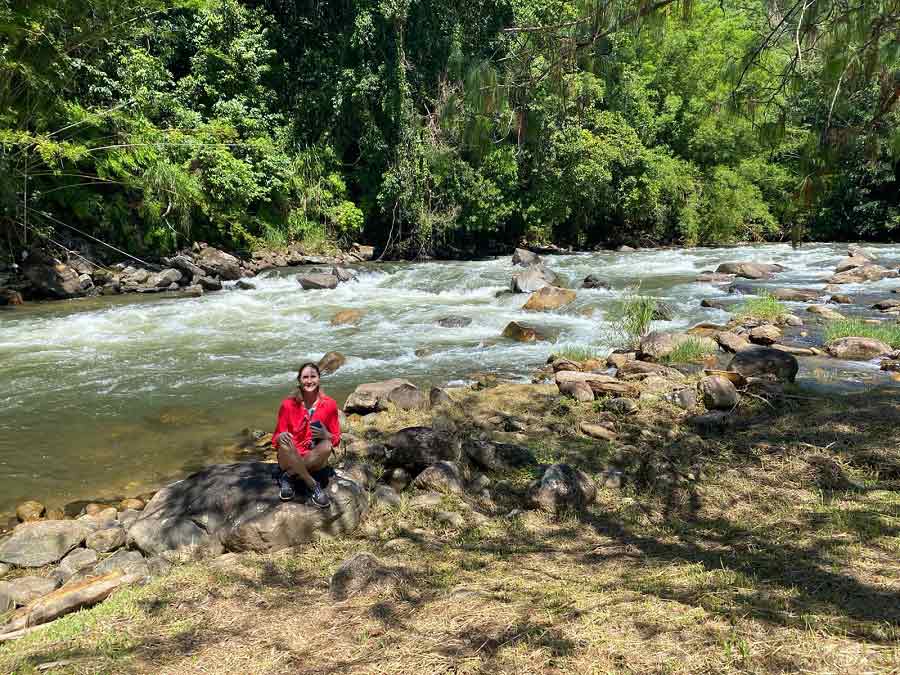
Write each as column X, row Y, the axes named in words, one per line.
column 441, row 477
column 127, row 562
column 77, row 560
column 593, row 281
column 52, row 279
column 719, row 393
column 107, row 539
column 525, row 257
column 418, row 447
column 237, row 507
column 375, row 397
column 532, row 278
column 217, row 263
column 765, row 362
column 494, row 456
column 186, row 266
column 857, row 348
column 560, row 487
column 749, row 270
column 40, row 543
column 23, row 590
column 317, row 281
column 454, row 322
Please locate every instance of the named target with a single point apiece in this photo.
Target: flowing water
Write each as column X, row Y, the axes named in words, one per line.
column 105, row 397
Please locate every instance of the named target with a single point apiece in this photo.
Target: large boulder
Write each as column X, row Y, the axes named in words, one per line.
column 525, row 257
column 317, row 281
column 331, row 361
column 856, row 349
column 852, row 263
column 23, row 590
column 749, row 270
column 43, row 542
column 415, row 448
column 531, row 279
column 765, row 362
column 861, row 274
column 52, row 279
column 237, row 507
column 562, row 487
column 187, row 267
column 732, row 342
column 522, row 333
column 219, row 264
column 549, row 297
column 375, row 397
column 766, row 334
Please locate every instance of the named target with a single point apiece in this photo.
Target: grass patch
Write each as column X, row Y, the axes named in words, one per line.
column 888, row 333
column 577, row 353
column 692, row 350
column 763, row 306
column 632, row 316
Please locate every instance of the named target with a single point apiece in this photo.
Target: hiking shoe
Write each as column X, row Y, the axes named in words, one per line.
column 285, row 487
column 319, row 497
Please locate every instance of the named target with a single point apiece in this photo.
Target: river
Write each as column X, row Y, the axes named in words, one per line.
column 106, row 397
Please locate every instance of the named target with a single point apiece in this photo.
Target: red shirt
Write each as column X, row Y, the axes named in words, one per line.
column 293, row 417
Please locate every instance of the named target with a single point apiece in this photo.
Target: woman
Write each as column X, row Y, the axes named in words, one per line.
column 307, row 431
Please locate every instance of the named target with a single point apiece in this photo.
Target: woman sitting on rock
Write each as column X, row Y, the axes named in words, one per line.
column 307, row 431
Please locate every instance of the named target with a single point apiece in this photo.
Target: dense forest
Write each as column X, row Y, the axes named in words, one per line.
column 431, row 127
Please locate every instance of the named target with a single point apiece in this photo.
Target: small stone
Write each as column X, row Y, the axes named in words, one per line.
column 597, row 431
column 683, row 398
column 426, row 499
column 158, row 566
column 450, row 518
column 133, row 503
column 438, row 396
column 480, row 482
column 77, row 560
column 399, row 479
column 30, row 511
column 4, row 569
column 359, row 573
column 719, row 393
column 127, row 517
column 766, row 334
column 94, row 509
column 441, row 477
column 621, row 406
column 123, row 560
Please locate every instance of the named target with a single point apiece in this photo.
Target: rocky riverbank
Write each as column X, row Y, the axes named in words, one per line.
column 192, row 271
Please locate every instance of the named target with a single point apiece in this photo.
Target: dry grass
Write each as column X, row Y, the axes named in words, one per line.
column 772, row 548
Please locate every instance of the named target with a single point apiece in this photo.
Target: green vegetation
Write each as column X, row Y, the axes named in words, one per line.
column 577, row 353
column 889, row 333
column 692, row 350
column 632, row 316
column 436, row 127
column 762, row 306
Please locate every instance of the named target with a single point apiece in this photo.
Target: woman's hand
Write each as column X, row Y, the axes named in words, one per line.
column 286, row 441
column 321, row 433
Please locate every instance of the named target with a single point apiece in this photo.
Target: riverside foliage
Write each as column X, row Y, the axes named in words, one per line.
column 433, row 127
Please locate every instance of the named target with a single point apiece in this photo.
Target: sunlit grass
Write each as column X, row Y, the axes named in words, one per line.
column 889, row 333
column 692, row 350
column 762, row 306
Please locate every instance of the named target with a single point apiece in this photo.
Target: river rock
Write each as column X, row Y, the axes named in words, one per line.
column 597, row 431
column 237, row 507
column 416, row 448
column 765, row 362
column 454, row 322
column 636, row 370
column 796, row 294
column 217, row 263
column 683, row 398
column 562, row 487
column 43, row 542
column 441, row 477
column 375, row 397
column 525, row 257
column 347, row 316
column 766, row 334
column 600, row 384
column 317, row 281
column 66, row 599
column 438, row 396
column 25, row 589
column 164, row 279
column 385, row 494
column 718, row 393
column 133, row 503
column 841, row 299
column 331, row 361
column 9, row 297
column 579, row 390
column 50, row 278
column 342, row 274
column 886, row 305
column 617, row 358
column 79, row 559
column 749, row 270
column 30, row 511
column 209, row 283
column 522, row 333
column 714, row 278
column 857, row 348
column 531, row 279
column 851, row 263
column 862, row 274
column 825, row 312
column 718, row 303
column 658, row 345
column 891, row 365
column 187, row 267
column 549, row 297
column 856, row 251
column 732, row 342
column 494, row 456
column 244, row 285
column 593, row 281
column 107, row 539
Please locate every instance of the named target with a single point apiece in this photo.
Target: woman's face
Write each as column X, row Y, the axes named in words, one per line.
column 309, row 379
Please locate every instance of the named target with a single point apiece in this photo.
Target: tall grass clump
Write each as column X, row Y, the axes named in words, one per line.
column 576, row 353
column 632, row 316
column 692, row 350
column 763, row 306
column 889, row 333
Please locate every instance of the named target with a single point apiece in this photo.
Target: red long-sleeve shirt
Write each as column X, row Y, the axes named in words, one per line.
column 293, row 417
